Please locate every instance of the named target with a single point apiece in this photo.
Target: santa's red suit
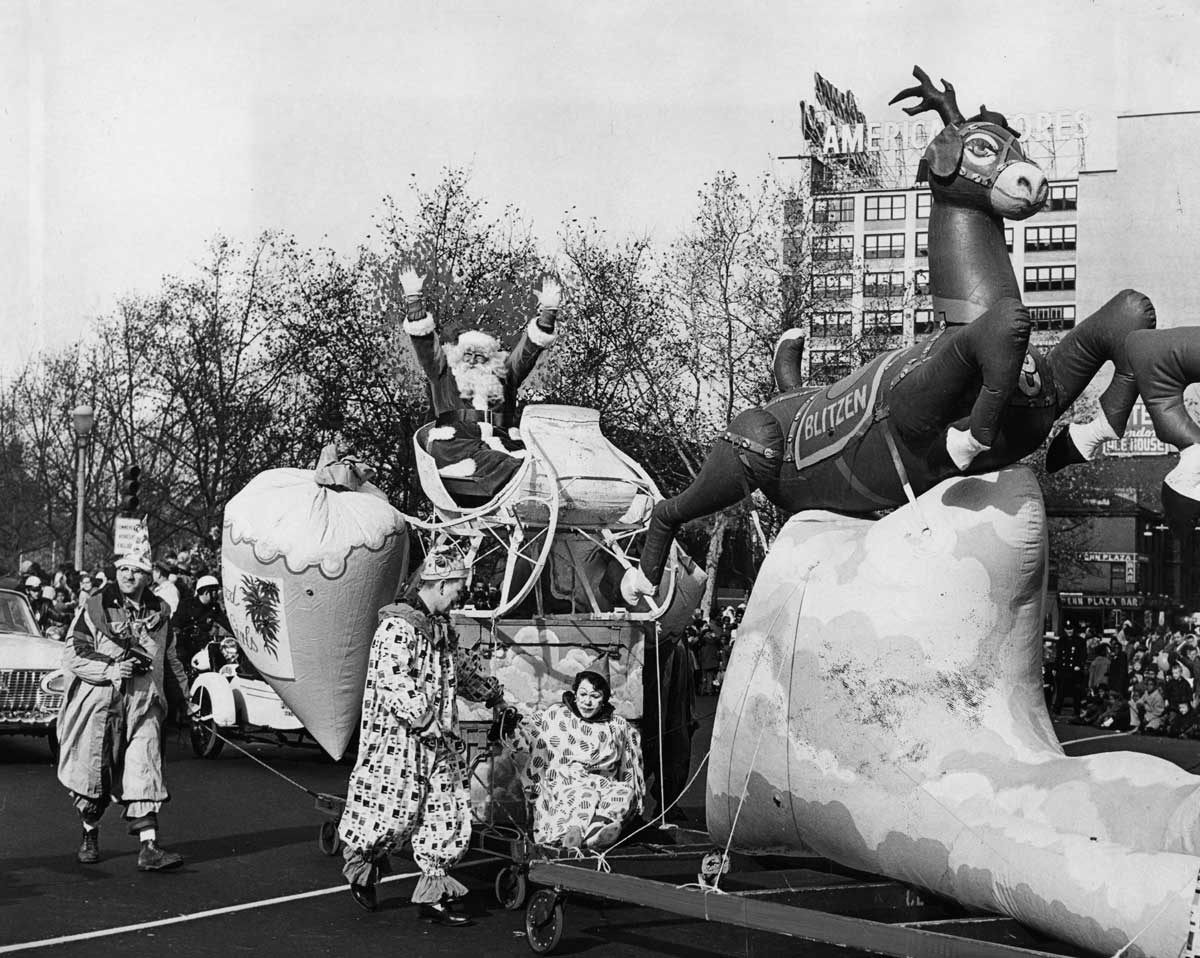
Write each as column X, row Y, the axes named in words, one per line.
column 474, row 441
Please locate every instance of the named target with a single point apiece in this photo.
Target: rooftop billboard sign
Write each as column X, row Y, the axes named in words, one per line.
column 835, row 125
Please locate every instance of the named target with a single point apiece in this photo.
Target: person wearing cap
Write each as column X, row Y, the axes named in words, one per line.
column 584, row 765
column 110, row 726
column 410, row 780
column 32, row 586
column 200, row 619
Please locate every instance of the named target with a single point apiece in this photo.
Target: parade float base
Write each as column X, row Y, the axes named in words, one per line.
column 835, row 910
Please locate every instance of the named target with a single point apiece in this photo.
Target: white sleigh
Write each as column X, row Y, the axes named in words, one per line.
column 576, row 505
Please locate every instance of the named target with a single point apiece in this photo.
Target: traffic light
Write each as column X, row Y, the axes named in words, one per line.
column 130, row 483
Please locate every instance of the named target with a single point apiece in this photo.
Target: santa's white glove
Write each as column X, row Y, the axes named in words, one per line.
column 414, row 303
column 550, row 295
column 635, row 586
column 412, row 283
column 963, row 447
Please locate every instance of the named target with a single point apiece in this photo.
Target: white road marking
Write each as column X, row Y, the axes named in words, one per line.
column 195, row 916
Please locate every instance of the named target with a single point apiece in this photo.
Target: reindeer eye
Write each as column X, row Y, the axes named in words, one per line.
column 982, row 146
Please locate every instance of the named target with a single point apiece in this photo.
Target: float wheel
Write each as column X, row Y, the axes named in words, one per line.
column 544, row 921
column 328, row 839
column 510, row 887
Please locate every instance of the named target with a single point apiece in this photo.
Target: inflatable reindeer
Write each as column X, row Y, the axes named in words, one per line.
column 973, row 397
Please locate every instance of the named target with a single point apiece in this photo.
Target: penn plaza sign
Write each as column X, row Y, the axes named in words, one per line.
column 836, row 126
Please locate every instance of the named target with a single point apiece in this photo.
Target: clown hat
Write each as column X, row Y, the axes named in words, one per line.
column 443, row 564
column 599, row 668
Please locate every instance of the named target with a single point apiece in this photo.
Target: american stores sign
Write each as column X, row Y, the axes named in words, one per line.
column 836, row 125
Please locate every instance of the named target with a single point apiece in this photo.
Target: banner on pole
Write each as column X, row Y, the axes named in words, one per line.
column 130, row 536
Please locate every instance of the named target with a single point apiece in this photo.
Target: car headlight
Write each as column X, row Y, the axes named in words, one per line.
column 54, row 682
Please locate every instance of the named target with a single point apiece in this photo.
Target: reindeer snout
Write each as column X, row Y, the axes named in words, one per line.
column 1019, row 191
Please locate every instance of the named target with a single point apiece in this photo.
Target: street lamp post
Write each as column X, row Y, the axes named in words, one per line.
column 82, row 418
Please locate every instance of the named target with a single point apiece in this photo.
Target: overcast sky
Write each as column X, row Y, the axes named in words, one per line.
column 135, row 131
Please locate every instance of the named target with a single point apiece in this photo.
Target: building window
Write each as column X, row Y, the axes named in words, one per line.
column 924, row 202
column 1008, row 239
column 834, row 209
column 830, row 323
column 886, row 322
column 922, row 243
column 883, row 284
column 833, row 285
column 1064, row 197
column 1049, row 278
column 1039, row 238
column 921, row 282
column 923, row 322
column 828, row 365
column 885, row 208
column 827, row 248
column 883, row 246
column 1052, row 318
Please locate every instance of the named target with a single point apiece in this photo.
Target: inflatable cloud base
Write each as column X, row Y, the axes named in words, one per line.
column 884, row 708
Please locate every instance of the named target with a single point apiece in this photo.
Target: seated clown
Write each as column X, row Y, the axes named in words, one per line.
column 474, row 382
column 584, row 768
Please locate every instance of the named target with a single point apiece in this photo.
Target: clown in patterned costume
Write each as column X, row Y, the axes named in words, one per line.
column 474, row 385
column 410, row 780
column 584, row 764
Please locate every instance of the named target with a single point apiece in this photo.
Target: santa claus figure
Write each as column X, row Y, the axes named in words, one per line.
column 475, row 442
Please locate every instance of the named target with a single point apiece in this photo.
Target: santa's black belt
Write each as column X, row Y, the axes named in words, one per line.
column 450, row 417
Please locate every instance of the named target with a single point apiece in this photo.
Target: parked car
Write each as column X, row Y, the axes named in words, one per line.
column 32, row 681
column 233, row 702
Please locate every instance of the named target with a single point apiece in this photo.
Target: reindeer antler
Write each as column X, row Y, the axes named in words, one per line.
column 931, row 98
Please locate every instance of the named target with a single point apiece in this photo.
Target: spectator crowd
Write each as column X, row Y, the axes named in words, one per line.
column 710, row 644
column 1129, row 681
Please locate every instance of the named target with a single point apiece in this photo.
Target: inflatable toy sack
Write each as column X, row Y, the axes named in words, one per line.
column 308, row 557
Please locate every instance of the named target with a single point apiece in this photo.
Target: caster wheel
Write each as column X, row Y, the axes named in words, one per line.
column 329, row 841
column 544, row 921
column 510, row 887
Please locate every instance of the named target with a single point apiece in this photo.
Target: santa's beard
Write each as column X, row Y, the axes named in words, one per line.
column 479, row 383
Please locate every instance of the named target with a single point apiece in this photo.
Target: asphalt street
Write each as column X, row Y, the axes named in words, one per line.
column 256, row 881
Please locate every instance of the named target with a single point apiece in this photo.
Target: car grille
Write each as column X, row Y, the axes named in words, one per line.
column 22, row 698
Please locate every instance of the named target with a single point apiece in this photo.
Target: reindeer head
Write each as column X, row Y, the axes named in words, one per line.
column 976, row 162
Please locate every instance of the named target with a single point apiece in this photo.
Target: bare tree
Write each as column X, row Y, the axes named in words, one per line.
column 734, row 289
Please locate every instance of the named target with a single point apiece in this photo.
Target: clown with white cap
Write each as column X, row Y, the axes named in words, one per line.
column 111, row 724
column 410, row 780
column 474, row 383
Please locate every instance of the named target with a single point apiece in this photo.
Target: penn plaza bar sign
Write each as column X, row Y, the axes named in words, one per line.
column 836, row 126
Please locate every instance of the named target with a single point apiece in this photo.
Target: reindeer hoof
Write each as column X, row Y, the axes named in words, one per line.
column 1062, row 451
